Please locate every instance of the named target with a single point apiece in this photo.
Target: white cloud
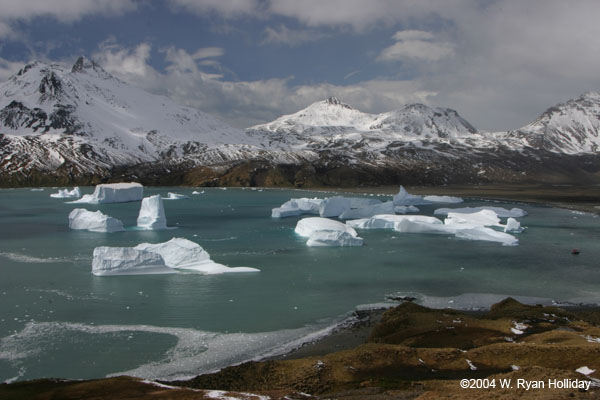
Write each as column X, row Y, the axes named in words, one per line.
column 208, row 52
column 416, row 45
column 291, row 37
column 225, row 8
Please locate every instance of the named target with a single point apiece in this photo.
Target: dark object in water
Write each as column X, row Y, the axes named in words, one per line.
column 575, row 251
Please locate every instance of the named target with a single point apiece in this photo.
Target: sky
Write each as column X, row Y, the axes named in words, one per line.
column 499, row 63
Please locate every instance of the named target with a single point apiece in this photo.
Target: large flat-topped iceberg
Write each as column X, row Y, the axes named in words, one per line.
column 66, row 194
column 501, row 212
column 82, row 219
column 296, row 207
column 388, row 221
column 368, row 210
column 327, row 232
column 127, row 261
column 443, row 199
column 403, row 198
column 184, row 254
column 152, row 214
column 114, row 193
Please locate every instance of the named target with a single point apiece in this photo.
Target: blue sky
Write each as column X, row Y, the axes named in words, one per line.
column 498, row 63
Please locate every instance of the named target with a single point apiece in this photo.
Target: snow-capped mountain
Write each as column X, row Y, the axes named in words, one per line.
column 332, row 123
column 572, row 127
column 81, row 125
column 85, row 120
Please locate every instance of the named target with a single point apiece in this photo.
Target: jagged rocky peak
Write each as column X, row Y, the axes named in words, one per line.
column 82, row 64
column 334, row 101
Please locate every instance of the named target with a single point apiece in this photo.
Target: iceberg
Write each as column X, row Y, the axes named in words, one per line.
column 295, row 207
column 388, row 221
column 152, row 214
column 327, row 232
column 501, row 212
column 405, row 209
column 334, row 206
column 368, row 211
column 403, row 198
column 127, row 261
column 487, row 234
column 416, row 226
column 82, row 219
column 479, row 218
column 66, row 194
column 175, row 196
column 443, row 199
column 333, row 238
column 359, row 202
column 113, row 193
column 512, row 225
column 184, row 254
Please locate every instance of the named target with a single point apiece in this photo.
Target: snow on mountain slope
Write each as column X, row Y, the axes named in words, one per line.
column 49, row 113
column 572, row 127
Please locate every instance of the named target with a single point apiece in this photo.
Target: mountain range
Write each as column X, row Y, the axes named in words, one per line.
column 81, row 125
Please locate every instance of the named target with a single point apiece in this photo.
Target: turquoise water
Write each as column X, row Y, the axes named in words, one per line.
column 56, row 319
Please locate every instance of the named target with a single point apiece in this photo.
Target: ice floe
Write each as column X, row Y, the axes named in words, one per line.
column 500, row 211
column 113, row 193
column 175, row 196
column 93, row 221
column 327, row 232
column 368, row 210
column 184, row 254
column 127, row 261
column 487, row 234
column 152, row 214
column 387, row 221
column 443, row 199
column 66, row 194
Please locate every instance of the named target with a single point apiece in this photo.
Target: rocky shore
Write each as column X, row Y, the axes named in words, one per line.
column 407, row 352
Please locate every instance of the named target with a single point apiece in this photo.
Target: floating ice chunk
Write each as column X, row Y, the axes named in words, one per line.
column 185, row 254
column 175, row 196
column 295, row 207
column 359, row 202
column 416, row 226
column 501, row 212
column 585, row 370
column 66, row 194
column 37, row 189
column 306, row 226
column 403, row 198
column 443, row 199
column 113, row 193
column 405, row 209
column 195, row 192
column 152, row 214
column 127, row 261
column 481, row 218
column 334, row 206
column 387, row 221
column 82, row 219
column 368, row 211
column 333, row 238
column 512, row 225
column 487, row 234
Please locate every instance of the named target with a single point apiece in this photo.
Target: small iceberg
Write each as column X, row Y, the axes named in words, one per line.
column 127, row 261
column 82, row 219
column 405, row 209
column 66, row 194
column 152, row 214
column 403, row 198
column 334, row 206
column 512, row 225
column 184, row 254
column 113, row 193
column 500, row 211
column 480, row 218
column 388, row 221
column 443, row 199
column 175, row 196
column 296, row 207
column 197, row 192
column 368, row 210
column 327, row 232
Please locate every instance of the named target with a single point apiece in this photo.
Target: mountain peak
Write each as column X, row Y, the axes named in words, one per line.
column 591, row 96
column 83, row 64
column 334, row 101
